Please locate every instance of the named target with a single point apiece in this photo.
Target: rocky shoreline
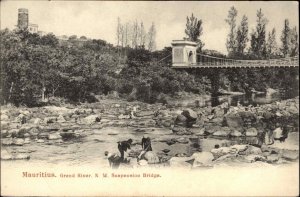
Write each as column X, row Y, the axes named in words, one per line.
column 258, row 134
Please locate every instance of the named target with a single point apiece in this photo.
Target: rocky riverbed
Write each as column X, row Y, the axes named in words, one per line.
column 181, row 137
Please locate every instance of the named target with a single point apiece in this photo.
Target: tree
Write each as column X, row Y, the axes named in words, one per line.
column 258, row 37
column 294, row 42
column 142, row 36
column 135, row 33
column 242, row 36
column 231, row 40
column 285, row 39
column 272, row 49
column 119, row 33
column 194, row 30
column 49, row 39
column 73, row 37
column 152, row 38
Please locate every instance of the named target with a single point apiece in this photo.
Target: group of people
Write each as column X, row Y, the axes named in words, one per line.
column 123, row 146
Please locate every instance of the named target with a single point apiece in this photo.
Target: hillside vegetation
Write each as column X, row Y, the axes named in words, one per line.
column 34, row 68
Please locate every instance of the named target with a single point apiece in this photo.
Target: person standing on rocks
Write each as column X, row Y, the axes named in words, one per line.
column 146, row 146
column 123, row 146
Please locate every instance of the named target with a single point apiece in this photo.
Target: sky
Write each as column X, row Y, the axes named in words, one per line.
column 98, row 19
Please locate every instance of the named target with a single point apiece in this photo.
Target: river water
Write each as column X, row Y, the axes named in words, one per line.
column 90, row 149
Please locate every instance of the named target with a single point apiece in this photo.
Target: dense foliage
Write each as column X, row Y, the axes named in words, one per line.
column 36, row 67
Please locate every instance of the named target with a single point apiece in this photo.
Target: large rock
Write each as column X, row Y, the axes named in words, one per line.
column 182, row 140
column 21, row 156
column 254, row 158
column 251, row 132
column 223, row 132
column 4, row 117
column 271, row 91
column 251, row 150
column 5, row 155
column 91, row 119
column 218, row 152
column 6, row 141
column 61, row 119
column 212, row 129
column 234, row 120
column 239, row 148
column 203, row 159
column 144, row 113
column 278, row 133
column 54, row 136
column 181, row 162
column 151, row 157
column 49, row 120
column 18, row 141
column 218, row 112
column 190, row 114
column 236, row 133
column 290, row 155
column 181, row 120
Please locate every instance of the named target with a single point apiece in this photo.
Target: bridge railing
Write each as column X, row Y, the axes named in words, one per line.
column 210, row 61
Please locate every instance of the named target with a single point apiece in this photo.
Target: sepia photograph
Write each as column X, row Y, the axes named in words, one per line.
column 149, row 98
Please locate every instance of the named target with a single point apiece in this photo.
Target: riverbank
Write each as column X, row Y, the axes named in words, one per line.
column 187, row 137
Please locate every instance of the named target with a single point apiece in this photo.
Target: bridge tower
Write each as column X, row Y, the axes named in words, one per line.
column 183, row 53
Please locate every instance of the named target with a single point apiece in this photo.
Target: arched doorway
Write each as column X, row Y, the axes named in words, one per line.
column 191, row 57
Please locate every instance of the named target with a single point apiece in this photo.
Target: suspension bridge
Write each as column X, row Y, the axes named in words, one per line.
column 184, row 56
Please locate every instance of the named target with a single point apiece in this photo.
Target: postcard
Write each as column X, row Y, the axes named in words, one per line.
column 149, row 98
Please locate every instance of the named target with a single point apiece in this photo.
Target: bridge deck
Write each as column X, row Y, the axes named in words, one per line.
column 206, row 61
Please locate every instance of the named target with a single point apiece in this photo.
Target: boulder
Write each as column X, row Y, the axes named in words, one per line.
column 5, row 155
column 182, row 140
column 181, row 120
column 4, row 117
column 234, row 120
column 54, row 136
column 179, row 130
column 212, row 129
column 4, row 133
column 4, row 124
column 144, row 113
column 91, row 119
column 223, row 132
column 239, row 148
column 142, row 162
column 198, row 131
column 219, row 112
column 151, row 157
column 293, row 109
column 270, row 91
column 6, row 141
column 254, row 158
column 40, row 141
column 272, row 158
column 251, row 132
column 278, row 133
column 236, row 133
column 61, row 119
column 26, row 141
column 251, row 150
column 190, row 114
column 21, row 156
column 49, row 120
column 290, row 155
column 181, row 162
column 36, row 121
column 18, row 141
column 203, row 159
column 218, row 152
